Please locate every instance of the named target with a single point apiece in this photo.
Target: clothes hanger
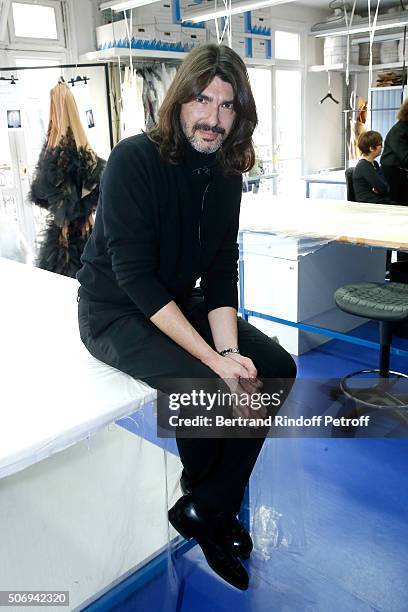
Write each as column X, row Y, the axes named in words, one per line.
column 329, row 95
column 79, row 79
column 12, row 79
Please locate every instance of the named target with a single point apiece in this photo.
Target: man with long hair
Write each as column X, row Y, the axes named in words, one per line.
column 168, row 215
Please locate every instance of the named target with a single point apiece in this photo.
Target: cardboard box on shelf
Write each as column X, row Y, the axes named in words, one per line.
column 193, row 37
column 158, row 12
column 116, row 34
column 144, row 32
column 168, row 33
column 108, row 34
column 260, row 25
column 238, row 23
column 260, row 48
column 239, row 45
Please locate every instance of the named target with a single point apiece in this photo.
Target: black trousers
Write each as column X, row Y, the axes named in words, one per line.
column 216, row 470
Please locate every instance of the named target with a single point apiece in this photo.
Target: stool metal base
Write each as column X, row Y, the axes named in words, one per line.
column 382, row 388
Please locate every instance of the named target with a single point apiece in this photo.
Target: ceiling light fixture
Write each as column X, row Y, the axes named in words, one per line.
column 123, row 5
column 236, row 8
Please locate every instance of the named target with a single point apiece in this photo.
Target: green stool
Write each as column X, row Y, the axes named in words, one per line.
column 388, row 304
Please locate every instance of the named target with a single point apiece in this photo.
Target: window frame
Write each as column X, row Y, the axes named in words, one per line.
column 25, row 42
column 300, row 28
column 34, row 54
column 291, row 27
column 287, row 31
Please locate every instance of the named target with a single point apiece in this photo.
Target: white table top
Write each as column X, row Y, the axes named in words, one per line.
column 331, row 176
column 379, row 225
column 53, row 392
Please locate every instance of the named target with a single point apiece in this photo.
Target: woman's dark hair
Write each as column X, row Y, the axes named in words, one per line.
column 368, row 140
column 403, row 111
column 196, row 72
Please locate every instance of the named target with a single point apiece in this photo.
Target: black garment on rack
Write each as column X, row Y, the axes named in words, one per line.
column 62, row 175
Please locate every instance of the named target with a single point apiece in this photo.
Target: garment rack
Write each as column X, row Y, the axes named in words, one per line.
column 105, row 65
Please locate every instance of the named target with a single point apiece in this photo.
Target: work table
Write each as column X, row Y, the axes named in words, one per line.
column 378, row 225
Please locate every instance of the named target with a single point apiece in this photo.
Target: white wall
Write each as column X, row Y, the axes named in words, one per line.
column 84, row 24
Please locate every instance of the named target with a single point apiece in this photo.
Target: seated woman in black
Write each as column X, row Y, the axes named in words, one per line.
column 368, row 180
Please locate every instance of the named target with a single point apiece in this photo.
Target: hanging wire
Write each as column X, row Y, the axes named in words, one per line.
column 404, row 71
column 372, row 36
column 129, row 32
column 348, row 26
column 227, row 24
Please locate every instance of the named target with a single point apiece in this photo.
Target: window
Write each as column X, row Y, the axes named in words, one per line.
column 39, row 23
column 287, row 45
column 34, row 21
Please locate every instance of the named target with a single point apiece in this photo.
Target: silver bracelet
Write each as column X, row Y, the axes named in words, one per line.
column 227, row 351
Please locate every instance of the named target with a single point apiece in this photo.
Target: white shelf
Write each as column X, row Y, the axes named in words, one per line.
column 115, row 53
column 354, row 67
column 391, row 66
column 110, row 55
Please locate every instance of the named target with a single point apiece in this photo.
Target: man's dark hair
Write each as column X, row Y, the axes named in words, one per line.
column 403, row 111
column 196, row 72
column 369, row 139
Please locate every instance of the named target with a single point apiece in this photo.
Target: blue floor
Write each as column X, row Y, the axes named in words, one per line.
column 330, row 521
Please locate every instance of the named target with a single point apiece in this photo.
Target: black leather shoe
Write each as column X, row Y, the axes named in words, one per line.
column 236, row 536
column 191, row 522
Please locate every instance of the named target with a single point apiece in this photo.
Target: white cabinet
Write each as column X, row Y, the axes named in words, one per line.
column 295, row 279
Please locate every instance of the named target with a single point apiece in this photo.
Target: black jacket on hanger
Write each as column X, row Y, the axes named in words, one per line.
column 161, row 226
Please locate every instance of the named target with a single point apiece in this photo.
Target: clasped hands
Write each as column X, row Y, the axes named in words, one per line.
column 241, row 376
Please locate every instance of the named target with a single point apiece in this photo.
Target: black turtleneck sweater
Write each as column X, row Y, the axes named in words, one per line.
column 160, row 227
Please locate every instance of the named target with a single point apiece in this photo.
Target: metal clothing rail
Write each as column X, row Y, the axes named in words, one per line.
column 104, row 65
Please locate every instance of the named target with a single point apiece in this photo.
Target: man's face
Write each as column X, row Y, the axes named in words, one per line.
column 207, row 120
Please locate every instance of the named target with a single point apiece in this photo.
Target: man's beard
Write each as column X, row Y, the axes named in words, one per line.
column 198, row 144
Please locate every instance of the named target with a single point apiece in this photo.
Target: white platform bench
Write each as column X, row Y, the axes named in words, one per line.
column 83, row 502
